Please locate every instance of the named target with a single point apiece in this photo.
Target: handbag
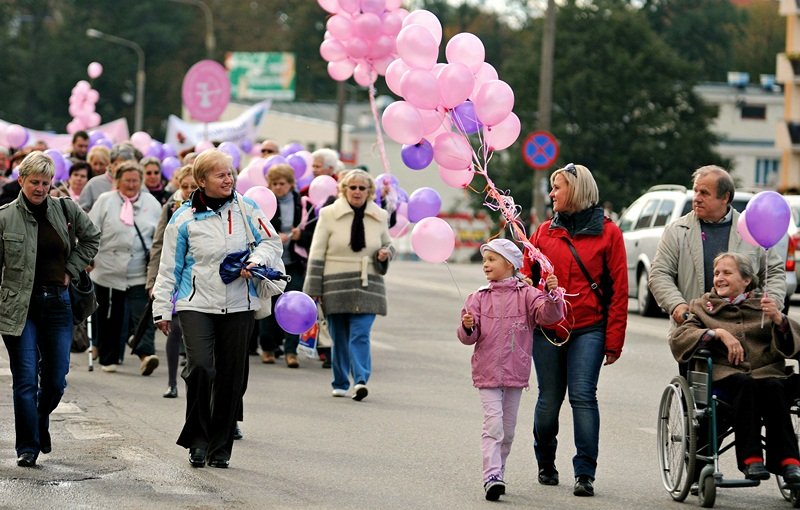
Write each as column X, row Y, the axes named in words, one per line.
column 265, row 288
column 317, row 337
column 80, row 338
column 81, row 289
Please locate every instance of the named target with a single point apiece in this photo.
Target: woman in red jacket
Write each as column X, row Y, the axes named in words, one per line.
column 585, row 246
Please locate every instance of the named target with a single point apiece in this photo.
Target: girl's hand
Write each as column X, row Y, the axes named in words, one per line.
column 770, row 308
column 383, row 254
column 735, row 349
column 551, row 283
column 468, row 321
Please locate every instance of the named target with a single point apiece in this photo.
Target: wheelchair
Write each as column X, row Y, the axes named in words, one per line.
column 689, row 407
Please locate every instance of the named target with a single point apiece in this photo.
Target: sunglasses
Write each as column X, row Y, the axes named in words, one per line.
column 268, row 151
column 571, row 169
column 359, row 188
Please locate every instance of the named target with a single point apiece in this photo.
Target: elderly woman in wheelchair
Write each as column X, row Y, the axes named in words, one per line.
column 747, row 339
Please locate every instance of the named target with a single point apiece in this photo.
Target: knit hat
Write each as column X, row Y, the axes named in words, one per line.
column 506, row 249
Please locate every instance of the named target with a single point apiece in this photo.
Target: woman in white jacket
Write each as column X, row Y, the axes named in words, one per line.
column 127, row 218
column 217, row 319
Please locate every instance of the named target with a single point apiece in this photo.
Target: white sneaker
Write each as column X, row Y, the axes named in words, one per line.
column 108, row 368
column 361, row 392
column 337, row 392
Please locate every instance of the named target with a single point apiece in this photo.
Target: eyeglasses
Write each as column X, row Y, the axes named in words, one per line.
column 268, row 151
column 359, row 188
column 571, row 169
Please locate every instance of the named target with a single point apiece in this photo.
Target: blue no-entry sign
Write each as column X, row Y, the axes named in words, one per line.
column 540, row 150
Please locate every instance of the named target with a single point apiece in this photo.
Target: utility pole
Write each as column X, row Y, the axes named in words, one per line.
column 545, row 105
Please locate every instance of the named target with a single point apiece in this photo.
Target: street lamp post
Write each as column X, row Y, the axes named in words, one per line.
column 210, row 42
column 140, row 74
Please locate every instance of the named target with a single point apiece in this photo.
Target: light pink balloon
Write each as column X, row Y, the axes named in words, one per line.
column 364, row 75
column 466, row 49
column 16, row 136
column 265, row 199
column 332, row 6
column 350, row 6
column 92, row 96
column 400, row 228
column 248, row 178
column 94, row 120
column 356, row 47
column 455, row 84
column 452, row 150
column 373, row 6
column 431, row 120
column 332, row 50
column 420, row 89
column 745, row 234
column 502, row 135
column 74, row 126
column 392, row 23
column 94, row 70
column 381, row 65
column 141, row 141
column 393, row 4
column 81, row 86
column 368, row 26
column 382, row 46
column 201, row 146
column 340, row 26
column 456, row 178
column 341, row 70
column 394, row 73
column 484, row 74
column 433, row 240
column 426, row 19
column 417, row 47
column 402, row 123
column 494, row 102
column 322, row 187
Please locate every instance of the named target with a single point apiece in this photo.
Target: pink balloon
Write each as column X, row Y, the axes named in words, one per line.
column 402, row 123
column 433, row 240
column 400, row 227
column 373, row 6
column 427, row 20
column 94, row 120
column 265, row 199
column 94, row 70
column 340, row 26
column 502, row 135
column 364, row 75
column 92, row 96
column 741, row 227
column 141, row 141
column 381, row 46
column 332, row 6
column 455, row 84
column 484, row 74
column 417, row 47
column 392, row 23
column 16, row 136
column 456, row 178
column 394, row 73
column 350, row 6
column 494, row 102
column 466, row 49
column 203, row 145
column 431, row 120
column 420, row 89
column 367, row 26
column 332, row 50
column 322, row 187
column 381, row 65
column 341, row 70
column 452, row 150
column 245, row 181
column 81, row 86
column 356, row 47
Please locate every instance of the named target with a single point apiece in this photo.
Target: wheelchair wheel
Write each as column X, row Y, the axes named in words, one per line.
column 707, row 487
column 793, row 496
column 677, row 438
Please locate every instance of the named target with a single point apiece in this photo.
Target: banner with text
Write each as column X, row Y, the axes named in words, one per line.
column 182, row 134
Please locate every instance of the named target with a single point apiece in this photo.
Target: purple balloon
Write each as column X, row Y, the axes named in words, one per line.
column 58, row 161
column 272, row 161
column 298, row 164
column 423, row 203
column 295, row 312
column 291, row 149
column 94, row 137
column 154, row 150
column 767, row 217
column 105, row 142
column 169, row 165
column 232, row 150
column 246, row 145
column 304, row 181
column 417, row 156
column 465, row 119
column 168, row 150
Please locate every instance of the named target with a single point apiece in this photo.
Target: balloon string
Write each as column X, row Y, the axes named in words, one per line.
column 381, row 147
column 454, row 280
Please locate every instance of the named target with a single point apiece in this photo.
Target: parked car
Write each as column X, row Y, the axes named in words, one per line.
column 643, row 223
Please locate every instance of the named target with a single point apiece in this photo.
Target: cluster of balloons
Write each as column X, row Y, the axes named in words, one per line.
column 444, row 103
column 765, row 220
column 82, row 102
column 150, row 147
column 360, row 38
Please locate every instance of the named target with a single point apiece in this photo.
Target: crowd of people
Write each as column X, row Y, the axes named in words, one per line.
column 155, row 249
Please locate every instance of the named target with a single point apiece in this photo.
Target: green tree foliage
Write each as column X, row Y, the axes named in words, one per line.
column 763, row 36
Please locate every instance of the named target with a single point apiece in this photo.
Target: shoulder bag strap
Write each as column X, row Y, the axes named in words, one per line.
column 251, row 240
column 144, row 246
column 592, row 284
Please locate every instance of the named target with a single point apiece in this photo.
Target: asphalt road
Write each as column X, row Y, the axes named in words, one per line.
column 413, row 443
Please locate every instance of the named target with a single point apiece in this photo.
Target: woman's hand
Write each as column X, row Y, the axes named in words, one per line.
column 295, row 234
column 610, row 359
column 163, row 326
column 735, row 349
column 245, row 273
column 771, row 309
column 551, row 283
column 468, row 321
column 383, row 254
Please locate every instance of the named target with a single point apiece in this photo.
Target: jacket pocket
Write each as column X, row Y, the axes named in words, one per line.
column 14, row 246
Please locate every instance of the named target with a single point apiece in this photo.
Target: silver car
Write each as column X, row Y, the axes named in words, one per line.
column 643, row 223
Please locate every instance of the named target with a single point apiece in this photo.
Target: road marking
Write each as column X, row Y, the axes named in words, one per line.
column 88, row 431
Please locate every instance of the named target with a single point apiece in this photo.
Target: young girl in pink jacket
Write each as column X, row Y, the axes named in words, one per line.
column 499, row 319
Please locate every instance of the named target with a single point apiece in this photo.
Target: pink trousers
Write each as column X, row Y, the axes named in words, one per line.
column 500, row 407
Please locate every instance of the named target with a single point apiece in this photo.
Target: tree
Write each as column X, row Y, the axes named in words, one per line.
column 763, row 36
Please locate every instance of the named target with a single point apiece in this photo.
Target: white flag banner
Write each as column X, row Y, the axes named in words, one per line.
column 182, row 134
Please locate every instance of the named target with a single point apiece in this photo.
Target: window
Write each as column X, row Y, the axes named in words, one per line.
column 647, row 214
column 766, row 169
column 754, row 112
column 629, row 217
column 664, row 213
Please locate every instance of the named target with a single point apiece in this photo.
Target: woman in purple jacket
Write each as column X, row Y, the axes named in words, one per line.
column 499, row 319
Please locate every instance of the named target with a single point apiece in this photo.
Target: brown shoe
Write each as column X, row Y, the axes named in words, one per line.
column 291, row 361
column 268, row 358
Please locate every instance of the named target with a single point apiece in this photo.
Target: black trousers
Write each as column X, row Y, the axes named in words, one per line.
column 756, row 402
column 107, row 321
column 215, row 375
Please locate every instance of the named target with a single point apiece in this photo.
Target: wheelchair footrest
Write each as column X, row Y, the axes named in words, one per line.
column 737, row 483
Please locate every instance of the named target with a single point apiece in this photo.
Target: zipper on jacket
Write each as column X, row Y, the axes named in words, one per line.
column 264, row 227
column 230, row 223
column 194, row 289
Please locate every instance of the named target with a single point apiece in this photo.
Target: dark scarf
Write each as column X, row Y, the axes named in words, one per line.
column 357, row 237
column 202, row 202
column 588, row 221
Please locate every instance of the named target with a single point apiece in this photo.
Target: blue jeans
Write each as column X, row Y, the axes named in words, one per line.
column 350, row 334
column 575, row 366
column 39, row 360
